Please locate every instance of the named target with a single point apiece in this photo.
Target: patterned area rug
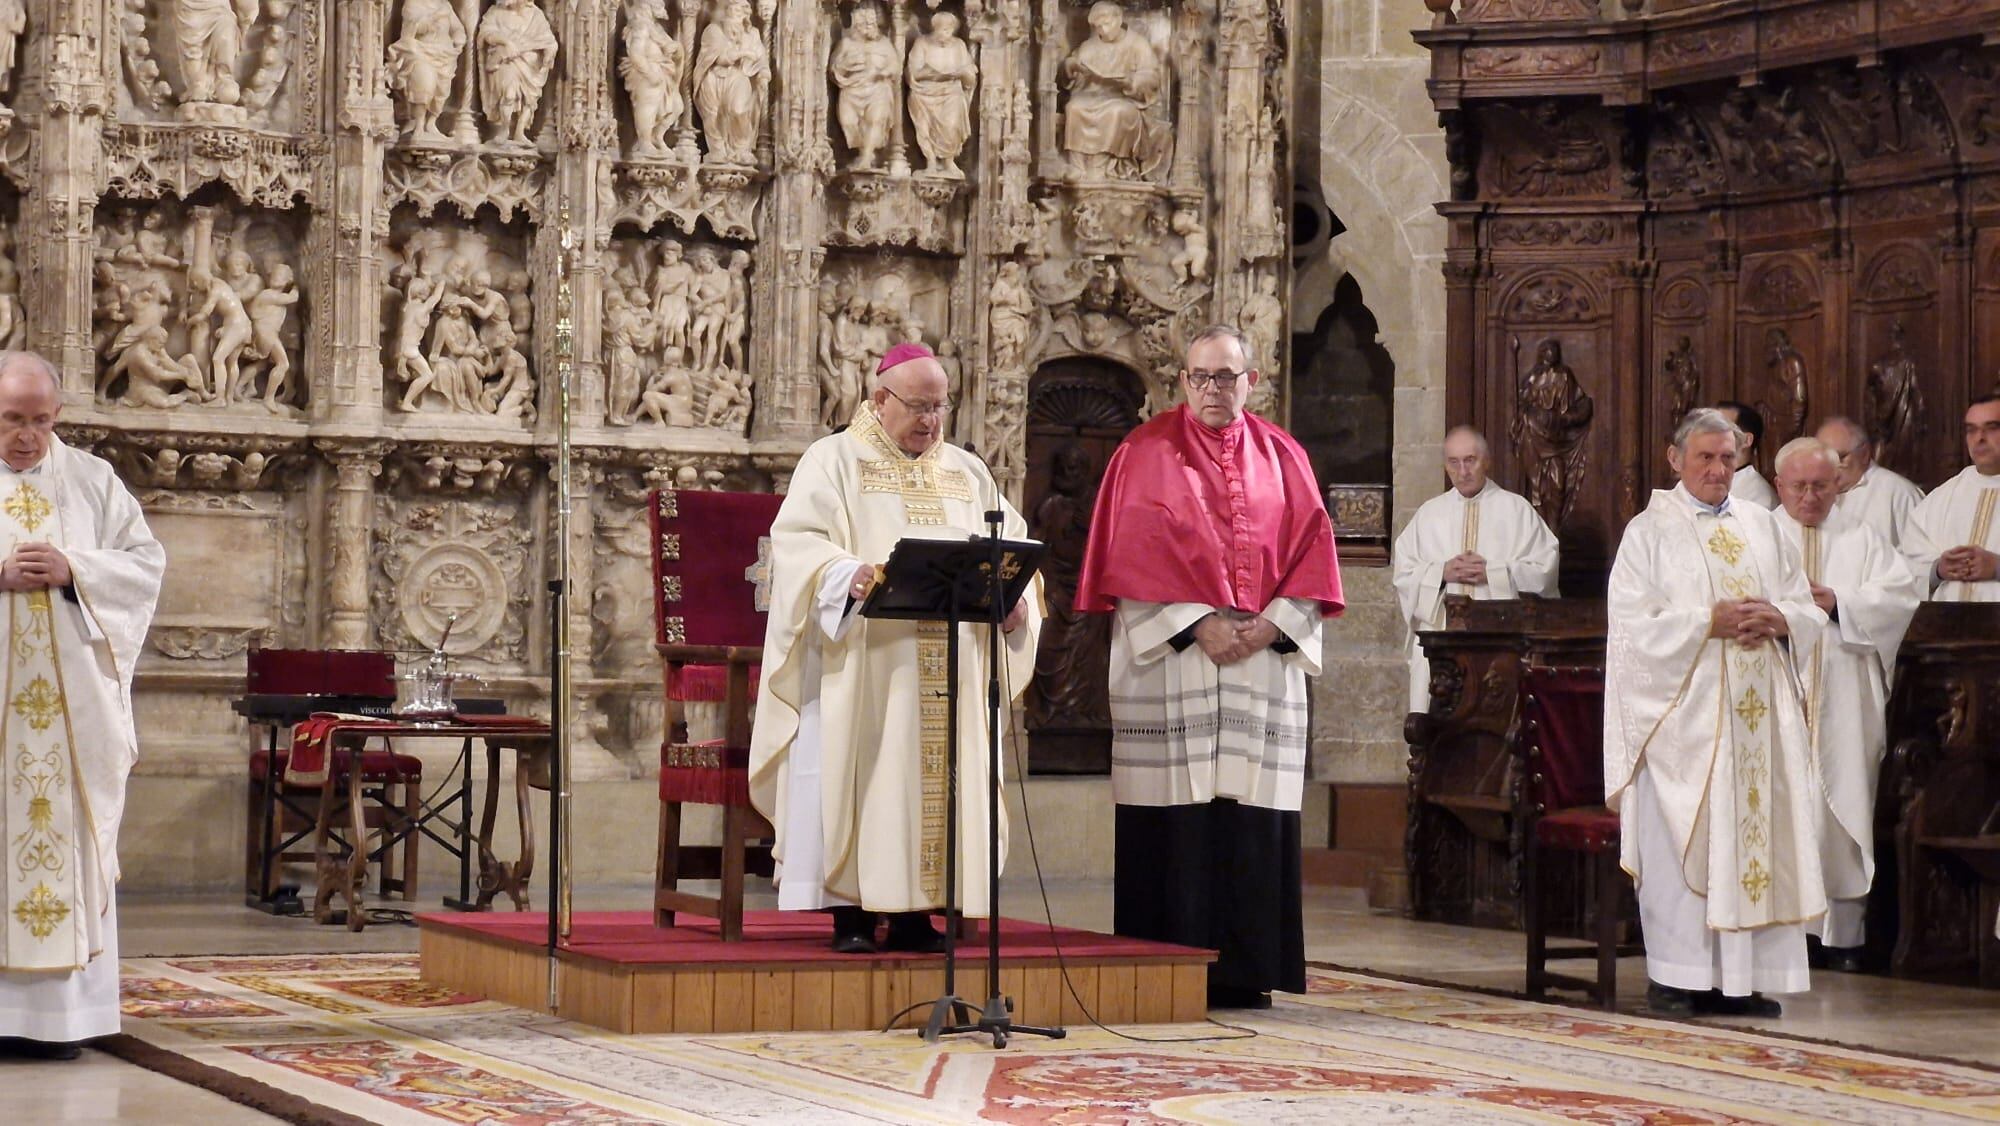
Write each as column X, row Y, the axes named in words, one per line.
column 359, row 1035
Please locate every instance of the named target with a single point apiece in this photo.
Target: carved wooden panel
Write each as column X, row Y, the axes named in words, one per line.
column 1892, row 386
column 1781, row 354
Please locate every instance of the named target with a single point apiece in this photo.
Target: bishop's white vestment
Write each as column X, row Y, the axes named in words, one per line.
column 1502, row 528
column 69, row 741
column 1883, row 500
column 1707, row 755
column 1748, row 484
column 1958, row 513
column 848, row 749
column 1847, row 674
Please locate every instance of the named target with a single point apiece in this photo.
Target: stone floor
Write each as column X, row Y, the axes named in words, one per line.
column 1340, row 929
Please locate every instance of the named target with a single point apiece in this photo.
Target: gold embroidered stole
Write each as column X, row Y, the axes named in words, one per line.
column 1468, row 539
column 1982, row 526
column 1811, row 547
column 41, row 879
column 1747, row 677
column 924, row 484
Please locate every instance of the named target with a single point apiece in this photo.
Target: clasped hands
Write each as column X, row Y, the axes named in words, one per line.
column 1228, row 640
column 868, row 574
column 1468, row 567
column 1967, row 564
column 34, row 566
column 1749, row 622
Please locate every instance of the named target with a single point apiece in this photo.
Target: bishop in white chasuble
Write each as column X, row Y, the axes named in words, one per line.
column 1870, row 594
column 1477, row 539
column 1707, row 755
column 79, row 575
column 848, row 749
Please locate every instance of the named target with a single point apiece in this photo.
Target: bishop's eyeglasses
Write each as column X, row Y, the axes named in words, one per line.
column 922, row 410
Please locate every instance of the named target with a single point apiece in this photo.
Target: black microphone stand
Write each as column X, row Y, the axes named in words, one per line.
column 996, row 1017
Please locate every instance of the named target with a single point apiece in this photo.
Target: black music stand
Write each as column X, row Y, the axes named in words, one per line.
column 953, row 581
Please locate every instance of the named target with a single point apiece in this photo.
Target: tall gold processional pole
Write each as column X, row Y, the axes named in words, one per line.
column 560, row 692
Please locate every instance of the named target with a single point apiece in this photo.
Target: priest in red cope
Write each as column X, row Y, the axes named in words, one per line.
column 1211, row 546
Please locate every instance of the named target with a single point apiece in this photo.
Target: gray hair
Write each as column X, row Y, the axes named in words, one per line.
column 1228, row 332
column 1853, row 427
column 1484, row 449
column 1705, row 420
column 11, row 356
column 1805, row 447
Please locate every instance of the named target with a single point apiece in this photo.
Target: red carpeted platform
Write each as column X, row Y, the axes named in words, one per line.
column 621, row 972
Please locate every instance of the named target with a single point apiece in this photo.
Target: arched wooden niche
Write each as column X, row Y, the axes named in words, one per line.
column 1079, row 409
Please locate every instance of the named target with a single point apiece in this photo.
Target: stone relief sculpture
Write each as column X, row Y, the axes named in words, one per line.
column 517, row 51
column 454, row 346
column 423, row 61
column 866, row 67
column 731, row 75
column 942, row 77
column 1011, row 317
column 13, row 22
column 1895, row 398
column 1550, row 422
column 1190, row 263
column 1788, row 370
column 208, row 35
column 675, row 329
column 652, row 69
column 1114, row 77
column 1262, row 319
column 13, row 327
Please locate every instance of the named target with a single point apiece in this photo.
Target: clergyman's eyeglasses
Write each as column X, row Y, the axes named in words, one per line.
column 1222, row 380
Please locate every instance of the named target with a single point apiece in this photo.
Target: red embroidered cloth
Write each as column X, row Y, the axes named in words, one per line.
column 312, row 738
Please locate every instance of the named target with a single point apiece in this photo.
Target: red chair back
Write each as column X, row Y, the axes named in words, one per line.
column 1563, row 729
column 709, row 551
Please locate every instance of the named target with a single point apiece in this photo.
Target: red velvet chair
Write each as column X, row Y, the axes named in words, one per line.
column 1563, row 814
column 711, row 559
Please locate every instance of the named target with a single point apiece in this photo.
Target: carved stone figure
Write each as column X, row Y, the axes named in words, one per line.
column 652, row 68
column 624, row 329
column 1682, row 372
column 1262, row 319
column 1114, row 78
column 1190, row 263
column 13, row 329
column 710, row 308
column 865, row 67
column 1557, row 155
column 942, row 77
column 673, row 288
column 414, row 321
column 1550, row 422
column 1895, row 397
column 423, row 61
column 850, row 354
column 149, row 371
column 669, row 395
column 731, row 74
column 512, row 395
column 209, row 35
column 268, row 310
column 1788, row 370
column 13, row 21
column 728, row 401
column 517, row 50
column 1070, row 689
column 1011, row 318
column 736, row 310
column 225, row 352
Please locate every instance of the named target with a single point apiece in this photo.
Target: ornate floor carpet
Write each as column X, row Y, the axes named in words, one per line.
column 359, row 1038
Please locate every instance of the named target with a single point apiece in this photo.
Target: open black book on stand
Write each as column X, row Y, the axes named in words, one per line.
column 920, row 575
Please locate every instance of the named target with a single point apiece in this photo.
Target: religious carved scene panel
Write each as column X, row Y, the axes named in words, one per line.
column 1551, row 149
column 220, row 62
column 1896, row 351
column 1682, row 373
column 199, row 306
column 458, row 317
column 1985, row 374
column 1781, row 356
column 676, row 325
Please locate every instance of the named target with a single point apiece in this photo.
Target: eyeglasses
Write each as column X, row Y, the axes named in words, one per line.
column 1221, row 380
column 922, row 410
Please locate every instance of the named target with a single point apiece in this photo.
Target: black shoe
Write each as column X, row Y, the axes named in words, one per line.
column 1237, row 997
column 1844, row 959
column 1714, row 1003
column 853, row 930
column 43, row 1049
column 911, row 933
column 1666, row 1001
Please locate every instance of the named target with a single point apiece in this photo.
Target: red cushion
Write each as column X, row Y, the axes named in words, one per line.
column 705, row 773
column 705, row 683
column 1584, row 829
column 1563, row 714
column 376, row 766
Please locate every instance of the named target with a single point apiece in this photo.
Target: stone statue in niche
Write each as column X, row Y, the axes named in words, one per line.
column 1788, row 370
column 626, row 330
column 517, row 50
column 1114, row 78
column 1682, row 376
column 842, row 381
column 209, row 36
column 13, row 328
column 13, row 21
column 709, row 306
column 1071, row 666
column 673, row 289
column 942, row 77
column 1551, row 419
column 1895, row 398
column 735, row 310
column 1010, row 318
column 731, row 75
column 423, row 61
column 1190, row 263
column 652, row 69
column 865, row 66
column 669, row 395
column 1262, row 319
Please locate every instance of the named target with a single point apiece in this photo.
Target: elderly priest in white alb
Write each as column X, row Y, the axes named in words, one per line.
column 1869, row 593
column 1707, row 756
column 79, row 574
column 1952, row 534
column 1476, row 539
column 1870, row 494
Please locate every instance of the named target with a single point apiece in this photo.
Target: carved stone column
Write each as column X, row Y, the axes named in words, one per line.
column 1245, row 35
column 790, row 248
column 350, row 533
column 350, row 385
column 57, row 215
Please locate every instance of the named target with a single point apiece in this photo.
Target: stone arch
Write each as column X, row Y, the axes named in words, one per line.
column 1343, row 385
